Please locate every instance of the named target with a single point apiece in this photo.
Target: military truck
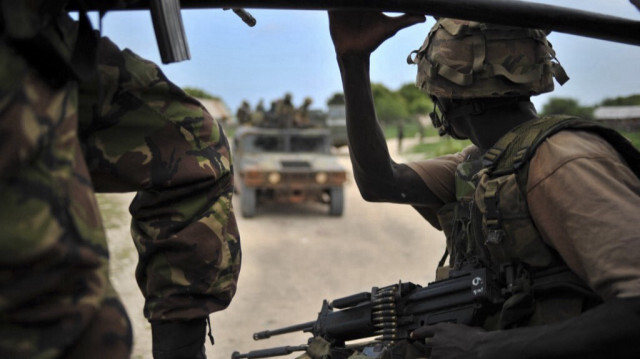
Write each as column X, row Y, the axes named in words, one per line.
column 336, row 122
column 287, row 165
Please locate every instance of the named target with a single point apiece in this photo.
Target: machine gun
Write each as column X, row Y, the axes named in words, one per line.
column 391, row 313
column 173, row 46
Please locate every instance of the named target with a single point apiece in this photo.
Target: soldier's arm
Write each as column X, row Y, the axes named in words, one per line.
column 597, row 235
column 355, row 36
column 152, row 138
column 610, row 330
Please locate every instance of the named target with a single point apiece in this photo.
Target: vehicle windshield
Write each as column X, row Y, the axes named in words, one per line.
column 286, row 143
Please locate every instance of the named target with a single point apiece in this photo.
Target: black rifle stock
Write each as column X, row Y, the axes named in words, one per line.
column 169, row 30
column 391, row 313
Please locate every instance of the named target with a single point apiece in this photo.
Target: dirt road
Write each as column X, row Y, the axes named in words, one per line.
column 293, row 258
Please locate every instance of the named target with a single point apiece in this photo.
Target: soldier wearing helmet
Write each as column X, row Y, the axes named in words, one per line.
column 469, row 66
column 549, row 205
column 301, row 118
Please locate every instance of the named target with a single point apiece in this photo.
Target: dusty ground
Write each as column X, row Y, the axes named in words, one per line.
column 293, row 258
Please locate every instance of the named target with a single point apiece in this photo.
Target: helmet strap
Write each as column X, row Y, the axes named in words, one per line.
column 467, row 107
column 439, row 119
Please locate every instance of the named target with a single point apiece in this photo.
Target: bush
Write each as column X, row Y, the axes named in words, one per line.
column 443, row 146
column 634, row 137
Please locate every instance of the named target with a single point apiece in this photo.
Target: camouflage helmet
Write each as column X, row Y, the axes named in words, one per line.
column 464, row 59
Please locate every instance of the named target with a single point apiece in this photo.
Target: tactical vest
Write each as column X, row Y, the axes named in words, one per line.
column 490, row 226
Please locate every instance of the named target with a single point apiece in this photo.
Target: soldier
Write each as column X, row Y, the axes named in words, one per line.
column 260, row 106
column 302, row 113
column 71, row 126
column 244, row 114
column 400, row 133
column 284, row 111
column 258, row 115
column 549, row 205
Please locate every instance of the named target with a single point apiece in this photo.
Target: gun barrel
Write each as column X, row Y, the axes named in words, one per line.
column 267, row 353
column 294, row 328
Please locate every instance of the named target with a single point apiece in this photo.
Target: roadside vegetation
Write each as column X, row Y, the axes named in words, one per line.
column 403, row 108
column 437, row 146
column 634, row 137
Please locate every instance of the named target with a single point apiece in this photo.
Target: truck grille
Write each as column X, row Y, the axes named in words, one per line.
column 297, row 177
column 295, row 164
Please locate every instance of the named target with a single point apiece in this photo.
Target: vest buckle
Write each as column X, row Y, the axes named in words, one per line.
column 494, row 236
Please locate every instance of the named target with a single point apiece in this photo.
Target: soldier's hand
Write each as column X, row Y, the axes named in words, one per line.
column 451, row 341
column 361, row 32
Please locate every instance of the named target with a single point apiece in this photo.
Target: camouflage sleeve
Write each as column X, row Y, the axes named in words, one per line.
column 147, row 135
column 56, row 298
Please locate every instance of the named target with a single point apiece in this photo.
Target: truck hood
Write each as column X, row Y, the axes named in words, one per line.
column 289, row 162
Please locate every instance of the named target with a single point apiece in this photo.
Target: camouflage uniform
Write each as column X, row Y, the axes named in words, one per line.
column 257, row 116
column 302, row 116
column 59, row 146
column 244, row 114
column 285, row 111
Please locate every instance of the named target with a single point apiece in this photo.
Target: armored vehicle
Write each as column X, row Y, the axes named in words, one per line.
column 289, row 165
column 336, row 122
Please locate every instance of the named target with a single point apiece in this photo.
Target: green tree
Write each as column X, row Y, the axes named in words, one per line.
column 566, row 106
column 390, row 106
column 199, row 93
column 631, row 100
column 336, row 99
column 421, row 106
column 411, row 93
column 417, row 101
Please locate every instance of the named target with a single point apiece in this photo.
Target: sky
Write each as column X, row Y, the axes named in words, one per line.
column 291, row 52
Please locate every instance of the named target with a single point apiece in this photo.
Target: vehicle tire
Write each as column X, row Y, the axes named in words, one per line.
column 248, row 202
column 336, row 204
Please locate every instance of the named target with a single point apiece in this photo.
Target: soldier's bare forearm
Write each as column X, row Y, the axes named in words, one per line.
column 367, row 145
column 610, row 330
column 378, row 176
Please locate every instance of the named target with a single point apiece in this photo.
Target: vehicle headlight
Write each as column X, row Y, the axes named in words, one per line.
column 321, row 177
column 274, row 177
